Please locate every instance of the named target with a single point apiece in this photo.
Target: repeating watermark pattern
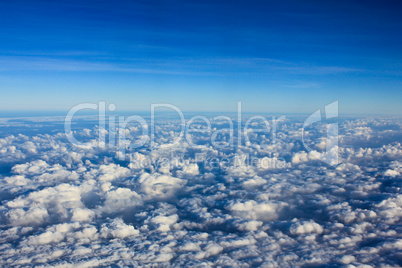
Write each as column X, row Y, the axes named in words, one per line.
column 220, row 132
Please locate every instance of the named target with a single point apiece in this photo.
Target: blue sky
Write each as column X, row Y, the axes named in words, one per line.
column 274, row 56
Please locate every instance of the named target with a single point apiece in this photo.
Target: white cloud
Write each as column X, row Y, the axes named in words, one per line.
column 69, row 206
column 159, row 186
column 120, row 199
column 118, row 229
column 306, row 228
column 265, row 211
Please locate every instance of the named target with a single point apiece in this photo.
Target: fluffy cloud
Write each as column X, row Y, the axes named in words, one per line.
column 82, row 206
column 118, row 229
column 306, row 228
column 159, row 186
column 265, row 211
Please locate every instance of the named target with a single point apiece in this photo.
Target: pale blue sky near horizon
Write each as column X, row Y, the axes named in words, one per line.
column 273, row 56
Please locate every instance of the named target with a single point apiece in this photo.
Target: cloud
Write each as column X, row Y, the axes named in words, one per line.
column 118, row 229
column 68, row 206
column 159, row 186
column 306, row 228
column 119, row 200
column 182, row 66
column 265, row 211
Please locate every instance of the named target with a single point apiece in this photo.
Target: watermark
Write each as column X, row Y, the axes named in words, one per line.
column 331, row 154
column 220, row 133
column 209, row 163
column 236, row 133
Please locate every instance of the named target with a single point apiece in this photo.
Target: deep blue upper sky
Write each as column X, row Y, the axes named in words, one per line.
column 274, row 56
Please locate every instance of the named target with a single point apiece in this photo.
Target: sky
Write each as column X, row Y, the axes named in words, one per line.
column 273, row 56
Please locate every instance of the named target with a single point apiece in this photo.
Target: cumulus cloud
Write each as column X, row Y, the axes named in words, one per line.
column 53, row 204
column 120, row 199
column 306, row 228
column 118, row 229
column 82, row 206
column 159, row 186
column 265, row 211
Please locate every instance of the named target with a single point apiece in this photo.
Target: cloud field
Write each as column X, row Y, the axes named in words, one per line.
column 64, row 205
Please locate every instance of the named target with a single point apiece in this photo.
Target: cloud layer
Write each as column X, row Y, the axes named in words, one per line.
column 67, row 206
